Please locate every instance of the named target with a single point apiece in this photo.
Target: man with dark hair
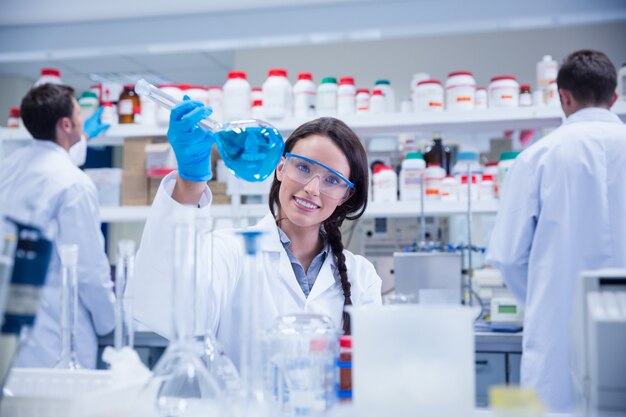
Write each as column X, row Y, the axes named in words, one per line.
column 562, row 212
column 40, row 185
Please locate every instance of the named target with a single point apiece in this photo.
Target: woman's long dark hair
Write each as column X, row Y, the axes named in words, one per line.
column 353, row 207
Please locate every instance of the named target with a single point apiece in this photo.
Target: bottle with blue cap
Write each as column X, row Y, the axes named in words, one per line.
column 467, row 166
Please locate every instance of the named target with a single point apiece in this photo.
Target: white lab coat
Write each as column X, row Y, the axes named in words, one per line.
column 281, row 293
column 39, row 184
column 563, row 211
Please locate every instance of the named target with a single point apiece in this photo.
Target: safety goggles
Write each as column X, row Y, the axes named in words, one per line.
column 303, row 170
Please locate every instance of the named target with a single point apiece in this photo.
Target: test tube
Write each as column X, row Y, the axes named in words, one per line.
column 124, row 332
column 69, row 307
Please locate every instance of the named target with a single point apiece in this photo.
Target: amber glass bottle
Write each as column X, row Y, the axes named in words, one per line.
column 128, row 105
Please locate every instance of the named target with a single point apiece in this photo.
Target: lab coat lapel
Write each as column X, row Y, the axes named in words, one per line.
column 325, row 278
column 278, row 265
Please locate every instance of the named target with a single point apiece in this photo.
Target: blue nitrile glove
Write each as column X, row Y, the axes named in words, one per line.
column 191, row 142
column 93, row 126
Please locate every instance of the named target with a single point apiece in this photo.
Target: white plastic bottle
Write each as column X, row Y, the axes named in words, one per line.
column 503, row 91
column 89, row 103
column 467, row 162
column 480, row 98
column 257, row 109
column 507, row 159
column 487, row 189
column 377, row 102
column 346, row 97
column 417, row 78
column 109, row 114
column 388, row 94
column 434, row 176
column 385, row 184
column 547, row 70
column 237, row 97
column 411, row 176
column 460, row 91
column 257, row 94
column 449, row 190
column 327, row 97
column 49, row 76
column 163, row 114
column 362, row 101
column 304, row 96
column 428, row 96
column 277, row 94
column 216, row 102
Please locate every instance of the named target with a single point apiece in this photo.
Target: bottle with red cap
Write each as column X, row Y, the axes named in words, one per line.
column 346, row 97
column 277, row 94
column 257, row 109
column 304, row 96
column 49, row 76
column 384, row 184
column 14, row 117
column 237, row 92
column 362, row 101
column 460, row 91
column 345, row 368
column 377, row 102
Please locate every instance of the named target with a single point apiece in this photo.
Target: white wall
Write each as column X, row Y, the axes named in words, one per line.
column 486, row 54
column 12, row 89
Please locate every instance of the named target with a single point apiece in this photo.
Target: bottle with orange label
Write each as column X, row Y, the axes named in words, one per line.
column 460, row 90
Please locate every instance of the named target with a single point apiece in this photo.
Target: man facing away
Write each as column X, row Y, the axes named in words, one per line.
column 563, row 211
column 40, row 185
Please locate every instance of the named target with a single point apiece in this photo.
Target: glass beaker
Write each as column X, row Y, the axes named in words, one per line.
column 304, row 350
column 69, row 306
column 251, row 149
column 184, row 385
column 124, row 270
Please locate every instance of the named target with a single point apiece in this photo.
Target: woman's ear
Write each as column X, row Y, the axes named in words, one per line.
column 280, row 169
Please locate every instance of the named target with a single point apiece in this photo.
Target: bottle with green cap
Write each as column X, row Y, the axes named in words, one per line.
column 411, row 176
column 504, row 165
column 388, row 93
column 89, row 103
column 327, row 97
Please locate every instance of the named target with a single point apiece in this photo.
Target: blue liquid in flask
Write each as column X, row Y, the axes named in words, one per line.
column 250, row 153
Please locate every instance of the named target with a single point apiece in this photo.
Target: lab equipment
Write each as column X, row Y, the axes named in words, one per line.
column 438, row 153
column 89, row 103
column 597, row 340
column 69, row 305
column 346, row 97
column 384, row 184
column 304, row 96
column 94, row 125
column 183, row 384
column 411, row 176
column 506, row 310
column 362, row 101
column 251, row 149
column 547, row 71
column 124, row 270
column 237, row 96
column 428, row 96
column 504, row 91
column 377, row 102
column 525, row 96
column 277, row 94
column 30, row 255
column 433, row 177
column 435, row 277
column 303, row 350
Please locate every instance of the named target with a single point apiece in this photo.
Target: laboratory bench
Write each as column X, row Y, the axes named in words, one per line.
column 498, row 357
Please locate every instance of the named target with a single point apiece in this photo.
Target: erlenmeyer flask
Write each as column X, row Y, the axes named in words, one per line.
column 184, row 385
column 218, row 363
column 69, row 306
column 124, row 270
column 251, row 149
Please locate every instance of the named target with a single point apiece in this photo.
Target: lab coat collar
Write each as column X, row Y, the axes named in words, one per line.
column 595, row 114
column 50, row 145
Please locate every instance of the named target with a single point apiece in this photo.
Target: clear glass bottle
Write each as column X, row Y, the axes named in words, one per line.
column 69, row 307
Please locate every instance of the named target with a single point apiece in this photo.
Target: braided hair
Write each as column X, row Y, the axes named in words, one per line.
column 353, row 207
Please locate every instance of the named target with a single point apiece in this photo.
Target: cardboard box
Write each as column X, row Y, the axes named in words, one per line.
column 134, row 189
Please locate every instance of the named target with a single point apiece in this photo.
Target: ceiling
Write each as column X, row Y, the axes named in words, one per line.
column 196, row 41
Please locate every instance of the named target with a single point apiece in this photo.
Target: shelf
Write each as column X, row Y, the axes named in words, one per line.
column 131, row 214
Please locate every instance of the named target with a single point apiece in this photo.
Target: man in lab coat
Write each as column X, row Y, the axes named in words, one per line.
column 40, row 185
column 563, row 211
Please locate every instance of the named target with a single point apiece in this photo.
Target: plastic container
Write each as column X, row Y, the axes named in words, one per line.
column 128, row 105
column 215, row 99
column 304, row 96
column 621, row 83
column 552, row 97
column 377, row 102
column 109, row 114
column 467, row 162
column 237, row 102
column 89, row 103
column 327, row 97
column 428, row 96
column 507, row 159
column 14, row 117
column 487, row 188
column 411, row 176
column 346, row 97
column 491, row 168
column 433, row 177
column 277, row 94
column 449, row 190
column 256, row 93
column 195, row 92
column 460, row 90
column 163, row 114
column 480, row 98
column 49, row 76
column 417, row 78
column 503, row 91
column 438, row 153
column 547, row 70
column 388, row 93
column 345, row 368
column 385, row 184
column 525, row 96
column 362, row 101
column 257, row 109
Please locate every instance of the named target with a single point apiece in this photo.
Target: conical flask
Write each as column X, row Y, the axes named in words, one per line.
column 69, row 307
column 251, row 149
column 218, row 363
column 183, row 383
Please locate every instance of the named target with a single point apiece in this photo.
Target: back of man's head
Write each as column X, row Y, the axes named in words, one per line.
column 43, row 106
column 590, row 76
